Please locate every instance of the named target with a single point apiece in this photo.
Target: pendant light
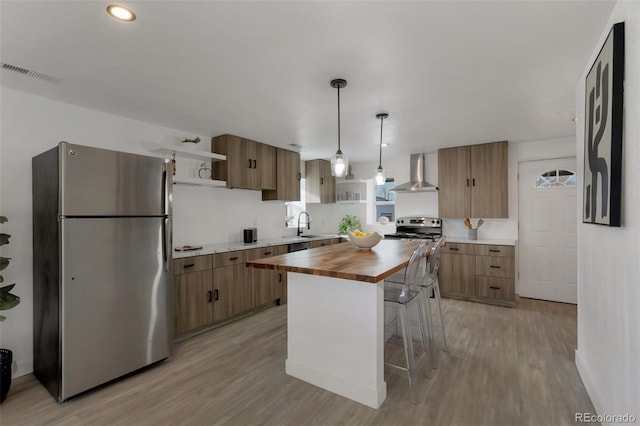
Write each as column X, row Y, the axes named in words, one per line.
column 380, row 175
column 339, row 162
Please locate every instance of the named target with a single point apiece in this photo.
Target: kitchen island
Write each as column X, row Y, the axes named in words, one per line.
column 335, row 315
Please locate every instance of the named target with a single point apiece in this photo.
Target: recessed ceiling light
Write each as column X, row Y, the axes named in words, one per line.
column 385, row 145
column 121, row 13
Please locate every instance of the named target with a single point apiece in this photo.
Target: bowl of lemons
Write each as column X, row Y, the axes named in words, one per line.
column 364, row 240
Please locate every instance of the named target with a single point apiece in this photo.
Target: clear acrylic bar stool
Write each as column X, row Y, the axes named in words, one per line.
column 402, row 296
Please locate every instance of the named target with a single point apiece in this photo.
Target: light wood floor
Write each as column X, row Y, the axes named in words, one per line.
column 504, row 367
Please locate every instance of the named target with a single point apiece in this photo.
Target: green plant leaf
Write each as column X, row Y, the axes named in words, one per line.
column 7, row 288
column 3, row 219
column 8, row 301
column 2, row 318
column 4, row 262
column 4, row 239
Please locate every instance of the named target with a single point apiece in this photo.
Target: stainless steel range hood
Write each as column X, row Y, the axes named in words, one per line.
column 416, row 174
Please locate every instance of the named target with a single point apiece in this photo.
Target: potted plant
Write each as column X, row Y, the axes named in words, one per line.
column 190, row 143
column 349, row 223
column 7, row 301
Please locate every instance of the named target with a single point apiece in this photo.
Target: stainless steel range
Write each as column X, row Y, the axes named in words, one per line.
column 422, row 228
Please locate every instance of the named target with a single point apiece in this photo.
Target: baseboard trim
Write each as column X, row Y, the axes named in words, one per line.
column 589, row 384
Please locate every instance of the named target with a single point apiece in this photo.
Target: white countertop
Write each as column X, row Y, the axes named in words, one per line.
column 233, row 246
column 489, row 242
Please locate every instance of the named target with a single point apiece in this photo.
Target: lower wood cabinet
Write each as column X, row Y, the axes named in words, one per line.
column 212, row 289
column 479, row 272
column 191, row 294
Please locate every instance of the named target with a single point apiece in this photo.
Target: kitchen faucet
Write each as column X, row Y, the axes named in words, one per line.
column 308, row 222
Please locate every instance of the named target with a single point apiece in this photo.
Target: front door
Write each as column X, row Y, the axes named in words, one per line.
column 547, row 230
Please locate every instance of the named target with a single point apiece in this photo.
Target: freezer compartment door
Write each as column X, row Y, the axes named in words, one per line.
column 116, row 298
column 101, row 182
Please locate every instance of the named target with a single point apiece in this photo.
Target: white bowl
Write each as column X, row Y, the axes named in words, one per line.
column 365, row 243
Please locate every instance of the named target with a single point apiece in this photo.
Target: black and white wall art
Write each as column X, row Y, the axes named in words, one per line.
column 603, row 133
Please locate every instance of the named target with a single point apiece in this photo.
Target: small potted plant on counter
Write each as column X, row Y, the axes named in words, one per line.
column 348, row 224
column 7, row 301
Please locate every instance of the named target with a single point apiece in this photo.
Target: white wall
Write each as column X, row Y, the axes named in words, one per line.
column 31, row 125
column 608, row 258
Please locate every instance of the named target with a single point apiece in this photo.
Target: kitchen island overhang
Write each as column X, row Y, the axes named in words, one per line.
column 335, row 315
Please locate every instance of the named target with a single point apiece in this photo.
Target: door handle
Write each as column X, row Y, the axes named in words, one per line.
column 494, row 251
column 299, row 176
column 494, row 288
column 255, row 164
column 494, row 266
column 267, row 253
column 233, row 258
column 453, row 249
column 467, row 182
column 249, row 162
column 473, row 182
column 209, row 299
column 280, row 277
column 321, row 181
column 190, row 265
column 166, row 188
column 216, row 295
column 166, row 242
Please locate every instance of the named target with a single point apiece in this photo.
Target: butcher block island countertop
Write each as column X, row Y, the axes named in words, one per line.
column 345, row 261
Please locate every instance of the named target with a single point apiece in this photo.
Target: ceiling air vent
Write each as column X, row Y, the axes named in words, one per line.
column 35, row 74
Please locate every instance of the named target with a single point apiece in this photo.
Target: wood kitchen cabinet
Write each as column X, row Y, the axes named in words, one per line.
column 472, row 181
column 249, row 164
column 191, row 301
column 478, row 272
column 267, row 283
column 320, row 186
column 288, row 177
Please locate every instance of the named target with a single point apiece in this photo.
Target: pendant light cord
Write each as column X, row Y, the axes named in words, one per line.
column 380, row 162
column 339, row 120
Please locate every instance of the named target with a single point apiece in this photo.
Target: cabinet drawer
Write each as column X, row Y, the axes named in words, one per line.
column 228, row 259
column 459, row 248
column 491, row 250
column 321, row 243
column 500, row 267
column 260, row 253
column 192, row 264
column 495, row 288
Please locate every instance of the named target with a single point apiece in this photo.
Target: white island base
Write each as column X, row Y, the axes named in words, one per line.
column 335, row 336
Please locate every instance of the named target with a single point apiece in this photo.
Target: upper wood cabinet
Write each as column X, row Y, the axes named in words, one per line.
column 287, row 177
column 473, row 181
column 249, row 164
column 320, row 186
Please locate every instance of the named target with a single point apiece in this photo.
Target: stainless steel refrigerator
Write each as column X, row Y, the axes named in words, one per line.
column 102, row 231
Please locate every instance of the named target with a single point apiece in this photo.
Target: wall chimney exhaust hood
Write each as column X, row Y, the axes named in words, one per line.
column 416, row 173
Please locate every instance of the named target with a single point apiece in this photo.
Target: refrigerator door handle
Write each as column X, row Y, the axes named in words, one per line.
column 166, row 242
column 166, row 188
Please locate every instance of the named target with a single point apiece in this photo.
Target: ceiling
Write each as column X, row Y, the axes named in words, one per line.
column 448, row 73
